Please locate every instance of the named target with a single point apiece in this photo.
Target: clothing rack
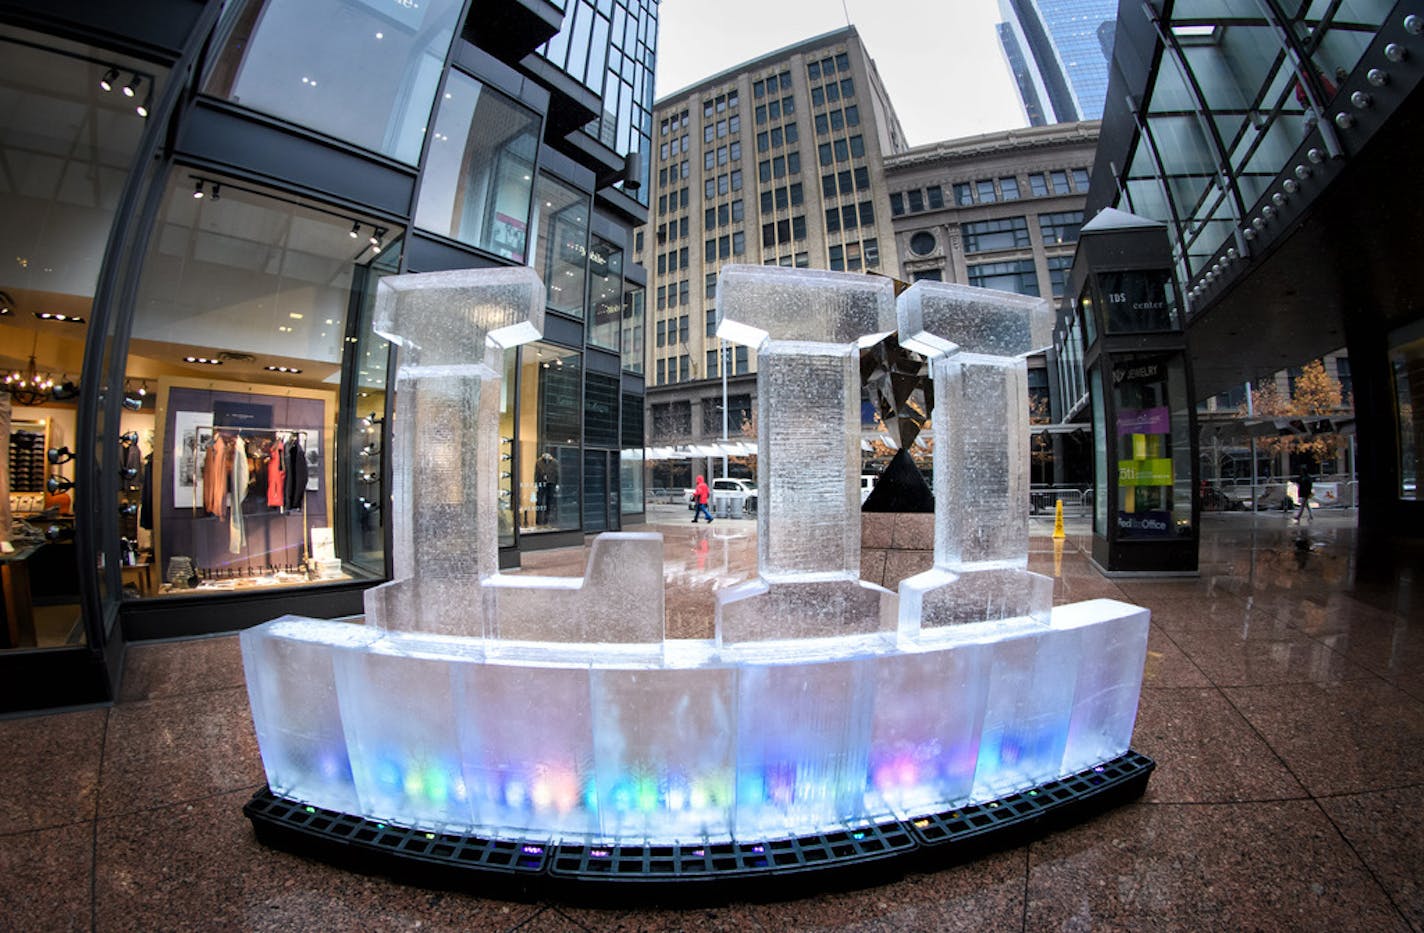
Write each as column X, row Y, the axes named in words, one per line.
column 303, row 433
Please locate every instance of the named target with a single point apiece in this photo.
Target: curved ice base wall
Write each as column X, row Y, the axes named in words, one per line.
column 625, row 743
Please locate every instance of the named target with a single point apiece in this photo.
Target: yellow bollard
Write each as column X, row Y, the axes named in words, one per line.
column 1058, row 557
column 1058, row 520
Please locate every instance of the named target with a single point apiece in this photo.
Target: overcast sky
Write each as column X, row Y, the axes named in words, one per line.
column 939, row 59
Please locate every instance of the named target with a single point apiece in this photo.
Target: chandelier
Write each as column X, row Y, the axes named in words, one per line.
column 28, row 386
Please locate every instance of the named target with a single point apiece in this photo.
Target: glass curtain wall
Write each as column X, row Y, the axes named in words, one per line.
column 362, row 72
column 240, row 339
column 605, row 294
column 68, row 137
column 550, row 466
column 561, row 243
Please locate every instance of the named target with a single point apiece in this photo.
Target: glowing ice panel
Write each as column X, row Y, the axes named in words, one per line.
column 803, row 736
column 1032, row 671
column 527, row 745
column 924, row 742
column 402, row 714
column 291, row 686
column 663, row 746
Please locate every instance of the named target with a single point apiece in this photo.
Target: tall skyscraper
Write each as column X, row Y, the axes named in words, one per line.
column 1058, row 51
column 791, row 149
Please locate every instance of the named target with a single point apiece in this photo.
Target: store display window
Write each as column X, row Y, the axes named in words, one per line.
column 362, row 72
column 1152, row 447
column 71, row 135
column 550, row 464
column 479, row 172
column 251, row 326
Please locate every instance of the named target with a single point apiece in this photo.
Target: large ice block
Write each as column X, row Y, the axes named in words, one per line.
column 291, row 686
column 803, row 737
column 664, row 742
column 527, row 744
column 940, row 318
column 402, row 712
column 1113, row 652
column 1032, row 675
column 618, row 600
column 929, row 711
column 452, row 328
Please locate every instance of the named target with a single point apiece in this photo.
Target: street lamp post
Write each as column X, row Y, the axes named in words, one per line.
column 726, row 359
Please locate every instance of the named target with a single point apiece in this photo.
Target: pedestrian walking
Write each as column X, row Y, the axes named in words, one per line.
column 1305, row 484
column 700, row 495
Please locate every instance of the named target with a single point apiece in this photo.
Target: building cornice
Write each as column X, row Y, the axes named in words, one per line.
column 722, row 77
column 1019, row 140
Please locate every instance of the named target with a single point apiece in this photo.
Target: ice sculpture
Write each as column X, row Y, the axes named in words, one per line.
column 544, row 709
column 807, row 330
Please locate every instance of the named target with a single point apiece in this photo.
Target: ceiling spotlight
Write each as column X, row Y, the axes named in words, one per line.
column 217, row 191
column 131, row 89
column 355, row 230
column 65, row 390
column 202, row 359
column 110, row 76
column 376, row 239
column 281, row 369
column 198, row 190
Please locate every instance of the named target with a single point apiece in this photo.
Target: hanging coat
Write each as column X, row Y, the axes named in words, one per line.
column 216, row 464
column 145, row 507
column 296, row 474
column 277, row 477
column 236, row 533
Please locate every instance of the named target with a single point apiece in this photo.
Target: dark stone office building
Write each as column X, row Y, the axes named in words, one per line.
column 200, row 199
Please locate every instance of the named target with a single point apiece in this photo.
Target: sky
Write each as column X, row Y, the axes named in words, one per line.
column 939, row 59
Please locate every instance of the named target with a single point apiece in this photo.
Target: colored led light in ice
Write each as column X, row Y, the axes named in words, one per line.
column 598, row 853
column 646, row 795
column 514, row 794
column 309, row 809
column 532, row 850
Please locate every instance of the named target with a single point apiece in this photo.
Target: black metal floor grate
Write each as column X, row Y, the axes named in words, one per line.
column 340, row 837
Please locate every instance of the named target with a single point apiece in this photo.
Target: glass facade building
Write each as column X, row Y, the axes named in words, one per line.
column 203, row 199
column 1058, row 52
column 1267, row 139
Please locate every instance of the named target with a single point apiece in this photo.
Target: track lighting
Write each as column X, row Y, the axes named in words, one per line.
column 142, row 110
column 355, row 230
column 217, row 191
column 63, row 391
column 198, row 190
column 131, row 88
column 110, row 76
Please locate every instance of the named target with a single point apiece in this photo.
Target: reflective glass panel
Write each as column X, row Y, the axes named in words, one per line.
column 605, row 297
column 480, row 170
column 561, row 243
column 360, row 71
column 550, row 406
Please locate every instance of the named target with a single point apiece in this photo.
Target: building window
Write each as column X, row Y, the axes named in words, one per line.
column 871, row 250
column 1038, row 185
column 916, row 200
column 1006, row 233
column 1009, row 188
column 561, row 242
column 963, row 194
column 476, row 185
column 837, row 257
column 897, row 204
column 928, row 275
column 1060, row 182
column 1058, row 267
column 934, row 194
column 1014, row 276
column 833, row 220
column 1060, row 227
column 1080, row 179
column 922, row 243
column 984, row 190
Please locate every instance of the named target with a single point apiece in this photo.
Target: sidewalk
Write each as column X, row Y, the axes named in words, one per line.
column 1283, row 701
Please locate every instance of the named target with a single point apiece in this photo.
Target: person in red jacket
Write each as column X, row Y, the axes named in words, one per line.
column 700, row 494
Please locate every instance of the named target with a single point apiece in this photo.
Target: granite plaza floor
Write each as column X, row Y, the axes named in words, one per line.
column 1283, row 701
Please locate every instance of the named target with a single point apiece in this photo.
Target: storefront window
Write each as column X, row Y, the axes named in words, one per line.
column 362, row 72
column 241, row 327
column 506, row 447
column 67, row 151
column 363, row 422
column 561, row 238
column 605, row 299
column 1153, row 468
column 548, row 432
column 479, row 173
